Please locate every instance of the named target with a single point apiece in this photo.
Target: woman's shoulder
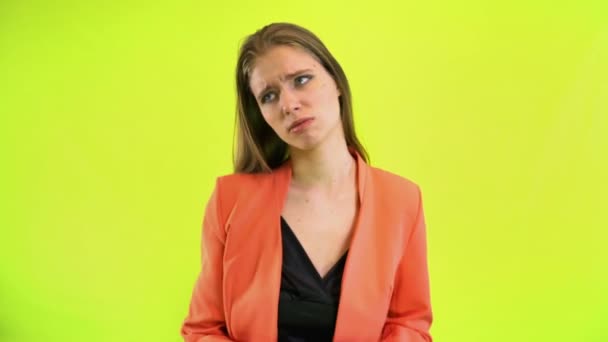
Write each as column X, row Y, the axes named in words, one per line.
column 395, row 193
column 229, row 188
column 243, row 180
column 393, row 183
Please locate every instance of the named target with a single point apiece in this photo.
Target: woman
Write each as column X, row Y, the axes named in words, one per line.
column 306, row 241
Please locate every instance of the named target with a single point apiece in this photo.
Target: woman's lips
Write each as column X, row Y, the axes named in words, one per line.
column 301, row 126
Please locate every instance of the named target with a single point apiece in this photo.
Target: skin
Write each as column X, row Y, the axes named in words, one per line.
column 321, row 206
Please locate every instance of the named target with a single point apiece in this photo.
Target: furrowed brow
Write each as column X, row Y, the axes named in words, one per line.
column 286, row 77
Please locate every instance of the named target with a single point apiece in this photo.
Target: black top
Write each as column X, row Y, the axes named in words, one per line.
column 308, row 304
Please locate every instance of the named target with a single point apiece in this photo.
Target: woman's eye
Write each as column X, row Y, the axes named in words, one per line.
column 302, row 79
column 267, row 97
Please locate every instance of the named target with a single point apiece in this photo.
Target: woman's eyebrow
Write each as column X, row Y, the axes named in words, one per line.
column 286, row 77
column 294, row 74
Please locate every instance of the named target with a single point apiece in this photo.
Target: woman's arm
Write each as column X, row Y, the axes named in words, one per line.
column 205, row 320
column 410, row 316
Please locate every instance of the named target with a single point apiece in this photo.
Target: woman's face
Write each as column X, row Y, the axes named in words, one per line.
column 298, row 98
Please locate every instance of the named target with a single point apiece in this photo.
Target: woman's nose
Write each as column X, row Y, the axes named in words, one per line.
column 289, row 102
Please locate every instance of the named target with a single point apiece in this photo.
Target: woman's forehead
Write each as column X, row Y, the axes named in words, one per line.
column 279, row 64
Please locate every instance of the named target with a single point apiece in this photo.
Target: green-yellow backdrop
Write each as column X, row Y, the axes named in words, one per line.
column 116, row 117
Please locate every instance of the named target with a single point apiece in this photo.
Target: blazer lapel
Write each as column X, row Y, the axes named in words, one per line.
column 365, row 288
column 253, row 261
column 253, row 257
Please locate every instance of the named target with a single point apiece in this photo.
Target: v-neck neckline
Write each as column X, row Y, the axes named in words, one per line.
column 353, row 275
column 323, row 280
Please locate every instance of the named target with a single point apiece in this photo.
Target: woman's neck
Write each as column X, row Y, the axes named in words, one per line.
column 326, row 167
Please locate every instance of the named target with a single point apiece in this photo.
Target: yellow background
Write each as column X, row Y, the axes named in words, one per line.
column 116, row 117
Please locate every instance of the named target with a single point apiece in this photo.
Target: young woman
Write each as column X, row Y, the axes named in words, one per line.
column 306, row 241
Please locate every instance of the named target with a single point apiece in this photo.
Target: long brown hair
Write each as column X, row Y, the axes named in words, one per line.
column 258, row 148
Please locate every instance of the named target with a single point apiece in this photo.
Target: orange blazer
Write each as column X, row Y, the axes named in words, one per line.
column 385, row 286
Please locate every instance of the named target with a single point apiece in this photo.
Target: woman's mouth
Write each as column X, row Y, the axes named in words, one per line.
column 301, row 125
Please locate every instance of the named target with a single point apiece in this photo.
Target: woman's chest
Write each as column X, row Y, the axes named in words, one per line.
column 323, row 227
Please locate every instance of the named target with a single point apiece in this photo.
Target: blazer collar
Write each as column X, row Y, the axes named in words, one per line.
column 356, row 270
column 253, row 262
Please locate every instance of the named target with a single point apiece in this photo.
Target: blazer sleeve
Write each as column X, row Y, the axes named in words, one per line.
column 205, row 320
column 410, row 316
